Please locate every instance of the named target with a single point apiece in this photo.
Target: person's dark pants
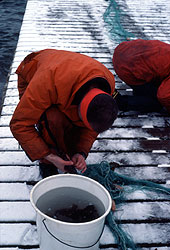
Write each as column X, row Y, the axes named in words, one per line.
column 144, row 99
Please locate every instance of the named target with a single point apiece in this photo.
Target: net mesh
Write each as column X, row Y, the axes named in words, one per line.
column 113, row 17
column 119, row 186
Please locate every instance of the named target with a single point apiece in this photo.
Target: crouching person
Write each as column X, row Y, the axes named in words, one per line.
column 65, row 102
column 144, row 65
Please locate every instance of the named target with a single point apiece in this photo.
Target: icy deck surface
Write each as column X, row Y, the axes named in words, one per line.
column 138, row 142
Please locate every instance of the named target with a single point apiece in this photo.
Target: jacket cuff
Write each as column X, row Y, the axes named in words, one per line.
column 83, row 154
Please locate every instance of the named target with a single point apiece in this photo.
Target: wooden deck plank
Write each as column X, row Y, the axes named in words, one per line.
column 5, row 132
column 120, row 122
column 108, row 145
column 30, row 173
column 14, row 191
column 22, row 211
column 20, row 173
column 156, row 233
column 136, row 145
column 21, row 191
column 130, row 158
column 14, row 158
column 27, row 235
column 136, row 133
column 17, row 212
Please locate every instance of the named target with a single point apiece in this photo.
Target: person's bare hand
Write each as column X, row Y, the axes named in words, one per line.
column 58, row 161
column 79, row 162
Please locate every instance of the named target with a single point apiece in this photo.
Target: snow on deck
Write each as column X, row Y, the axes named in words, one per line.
column 138, row 142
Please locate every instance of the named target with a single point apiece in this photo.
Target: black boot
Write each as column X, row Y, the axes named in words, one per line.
column 47, row 170
column 138, row 103
column 122, row 102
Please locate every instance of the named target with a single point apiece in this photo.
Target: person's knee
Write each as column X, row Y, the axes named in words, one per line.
column 163, row 93
column 164, row 98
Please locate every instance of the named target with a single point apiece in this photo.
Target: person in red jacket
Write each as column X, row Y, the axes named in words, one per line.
column 144, row 65
column 65, row 102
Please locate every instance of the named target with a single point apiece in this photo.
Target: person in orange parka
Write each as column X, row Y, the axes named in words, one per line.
column 145, row 66
column 65, row 102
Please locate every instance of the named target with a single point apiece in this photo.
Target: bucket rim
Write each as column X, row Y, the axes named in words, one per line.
column 70, row 223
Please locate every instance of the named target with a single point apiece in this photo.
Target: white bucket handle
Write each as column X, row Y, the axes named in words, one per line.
column 43, row 221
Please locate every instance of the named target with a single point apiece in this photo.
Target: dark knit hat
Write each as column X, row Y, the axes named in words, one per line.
column 98, row 110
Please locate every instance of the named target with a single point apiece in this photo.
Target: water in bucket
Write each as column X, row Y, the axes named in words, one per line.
column 70, row 205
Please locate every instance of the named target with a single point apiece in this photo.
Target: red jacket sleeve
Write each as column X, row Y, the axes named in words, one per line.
column 86, row 140
column 39, row 95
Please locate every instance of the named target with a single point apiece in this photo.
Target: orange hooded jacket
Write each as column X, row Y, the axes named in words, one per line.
column 142, row 61
column 52, row 77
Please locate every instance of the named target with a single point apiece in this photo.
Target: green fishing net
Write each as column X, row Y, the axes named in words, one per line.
column 114, row 18
column 119, row 186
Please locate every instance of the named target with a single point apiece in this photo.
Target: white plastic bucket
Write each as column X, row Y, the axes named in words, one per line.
column 55, row 234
